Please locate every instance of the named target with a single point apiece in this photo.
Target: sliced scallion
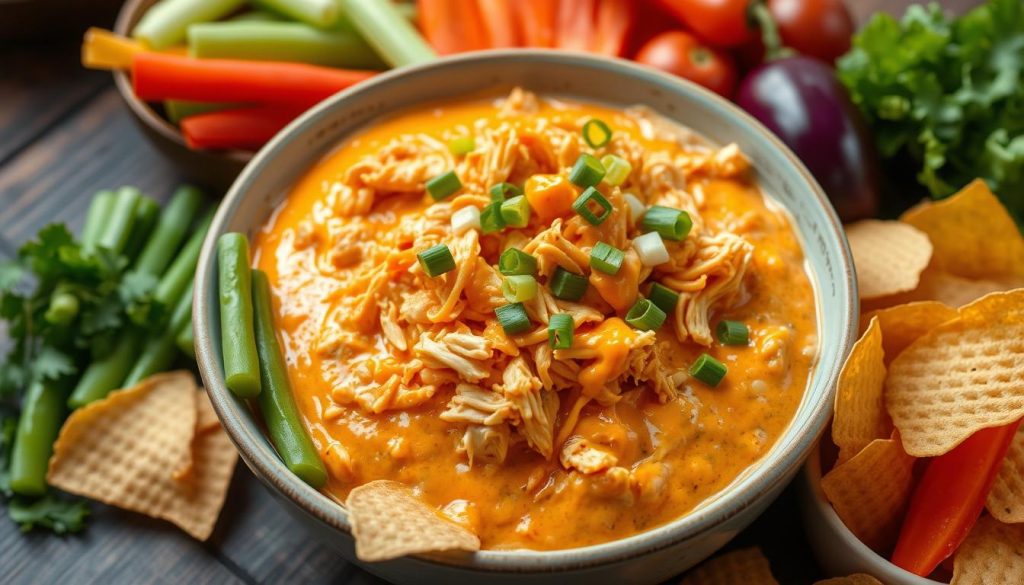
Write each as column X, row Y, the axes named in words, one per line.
column 733, row 333
column 503, row 191
column 606, row 258
column 443, row 185
column 514, row 262
column 592, row 206
column 568, row 286
column 513, row 318
column 708, row 370
column 516, row 211
column 490, row 219
column 636, row 207
column 436, row 260
column 462, row 145
column 596, row 133
column 519, row 288
column 645, row 316
column 587, row 171
column 665, row 298
column 672, row 224
column 616, row 169
column 651, row 249
column 465, row 219
column 560, row 331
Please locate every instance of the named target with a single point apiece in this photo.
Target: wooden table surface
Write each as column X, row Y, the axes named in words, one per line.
column 64, row 134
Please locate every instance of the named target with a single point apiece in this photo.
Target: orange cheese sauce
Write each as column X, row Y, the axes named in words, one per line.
column 680, row 453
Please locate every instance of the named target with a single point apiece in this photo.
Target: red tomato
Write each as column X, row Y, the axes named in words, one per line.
column 721, row 23
column 681, row 54
column 819, row 28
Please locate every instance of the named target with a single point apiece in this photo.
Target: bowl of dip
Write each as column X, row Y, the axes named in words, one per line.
column 620, row 458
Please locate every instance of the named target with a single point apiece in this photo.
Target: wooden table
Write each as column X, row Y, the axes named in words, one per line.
column 64, row 134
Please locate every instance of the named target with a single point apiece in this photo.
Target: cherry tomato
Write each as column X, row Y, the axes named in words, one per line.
column 720, row 23
column 819, row 28
column 682, row 54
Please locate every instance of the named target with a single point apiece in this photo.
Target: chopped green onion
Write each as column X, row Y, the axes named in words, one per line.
column 733, row 333
column 436, row 260
column 490, row 219
column 616, row 169
column 587, row 171
column 513, row 318
column 672, row 224
column 645, row 316
column 596, row 133
column 516, row 211
column 465, row 219
column 651, row 249
column 567, row 286
column 606, row 258
column 663, row 297
column 708, row 370
column 636, row 207
column 443, row 185
column 519, row 288
column 592, row 206
column 560, row 330
column 515, row 262
column 503, row 191
column 462, row 145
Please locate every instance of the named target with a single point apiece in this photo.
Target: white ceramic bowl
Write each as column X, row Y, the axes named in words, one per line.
column 652, row 556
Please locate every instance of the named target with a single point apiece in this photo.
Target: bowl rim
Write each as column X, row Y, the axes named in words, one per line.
column 765, row 478
column 129, row 15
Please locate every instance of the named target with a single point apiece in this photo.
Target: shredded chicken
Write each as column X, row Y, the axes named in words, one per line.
column 463, row 352
column 581, row 455
column 475, row 405
column 536, row 407
column 485, row 444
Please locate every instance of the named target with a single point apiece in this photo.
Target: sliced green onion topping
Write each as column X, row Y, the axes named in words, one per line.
column 645, row 316
column 587, row 171
column 733, row 333
column 443, row 185
column 616, row 169
column 592, row 206
column 636, row 207
column 708, row 370
column 568, row 286
column 607, row 259
column 462, row 145
column 672, row 224
column 514, row 261
column 513, row 318
column 560, row 330
column 465, row 219
column 490, row 219
column 503, row 191
column 519, row 288
column 516, row 211
column 436, row 260
column 665, row 298
column 651, row 249
column 596, row 133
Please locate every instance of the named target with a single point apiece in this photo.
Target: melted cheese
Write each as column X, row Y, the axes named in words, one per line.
column 612, row 339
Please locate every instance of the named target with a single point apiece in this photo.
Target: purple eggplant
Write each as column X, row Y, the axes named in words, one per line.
column 802, row 102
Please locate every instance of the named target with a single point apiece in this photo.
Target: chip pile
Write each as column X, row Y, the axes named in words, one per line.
column 941, row 357
column 748, row 566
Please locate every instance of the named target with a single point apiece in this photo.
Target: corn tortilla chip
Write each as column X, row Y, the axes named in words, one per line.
column 963, row 376
column 946, row 288
column 745, row 566
column 993, row 552
column 1006, row 500
column 871, row 508
column 206, row 417
column 389, row 521
column 860, row 415
column 973, row 235
column 856, row 579
column 889, row 256
column 903, row 324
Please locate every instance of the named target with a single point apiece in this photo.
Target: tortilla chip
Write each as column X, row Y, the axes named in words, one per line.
column 963, row 376
column 889, row 256
column 206, row 417
column 390, row 521
column 745, row 566
column 1006, row 500
column 856, row 579
column 118, row 451
column 860, row 408
column 993, row 552
column 973, row 235
column 869, row 506
column 903, row 324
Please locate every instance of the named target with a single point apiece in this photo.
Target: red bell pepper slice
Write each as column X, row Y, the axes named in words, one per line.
column 949, row 498
column 613, row 23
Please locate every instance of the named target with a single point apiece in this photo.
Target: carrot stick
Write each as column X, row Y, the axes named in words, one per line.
column 576, row 24
column 158, row 77
column 537, row 21
column 452, row 26
column 613, row 24
column 243, row 128
column 499, row 21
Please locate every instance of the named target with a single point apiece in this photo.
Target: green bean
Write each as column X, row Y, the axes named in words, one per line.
column 281, row 41
column 119, row 224
column 146, row 215
column 158, row 354
column 183, row 269
column 387, row 31
column 177, row 110
column 319, row 13
column 277, row 404
column 107, row 374
column 166, row 22
column 170, row 231
column 238, row 342
column 96, row 219
column 186, row 342
column 42, row 413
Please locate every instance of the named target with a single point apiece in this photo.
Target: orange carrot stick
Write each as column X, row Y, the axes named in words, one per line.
column 499, row 21
column 452, row 26
column 576, row 24
column 243, row 129
column 158, row 77
column 613, row 24
column 537, row 22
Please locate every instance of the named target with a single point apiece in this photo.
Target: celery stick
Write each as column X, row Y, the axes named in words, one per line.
column 319, row 13
column 166, row 23
column 281, row 41
column 258, row 16
column 408, row 10
column 387, row 31
column 146, row 213
column 177, row 110
column 122, row 217
column 96, row 219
